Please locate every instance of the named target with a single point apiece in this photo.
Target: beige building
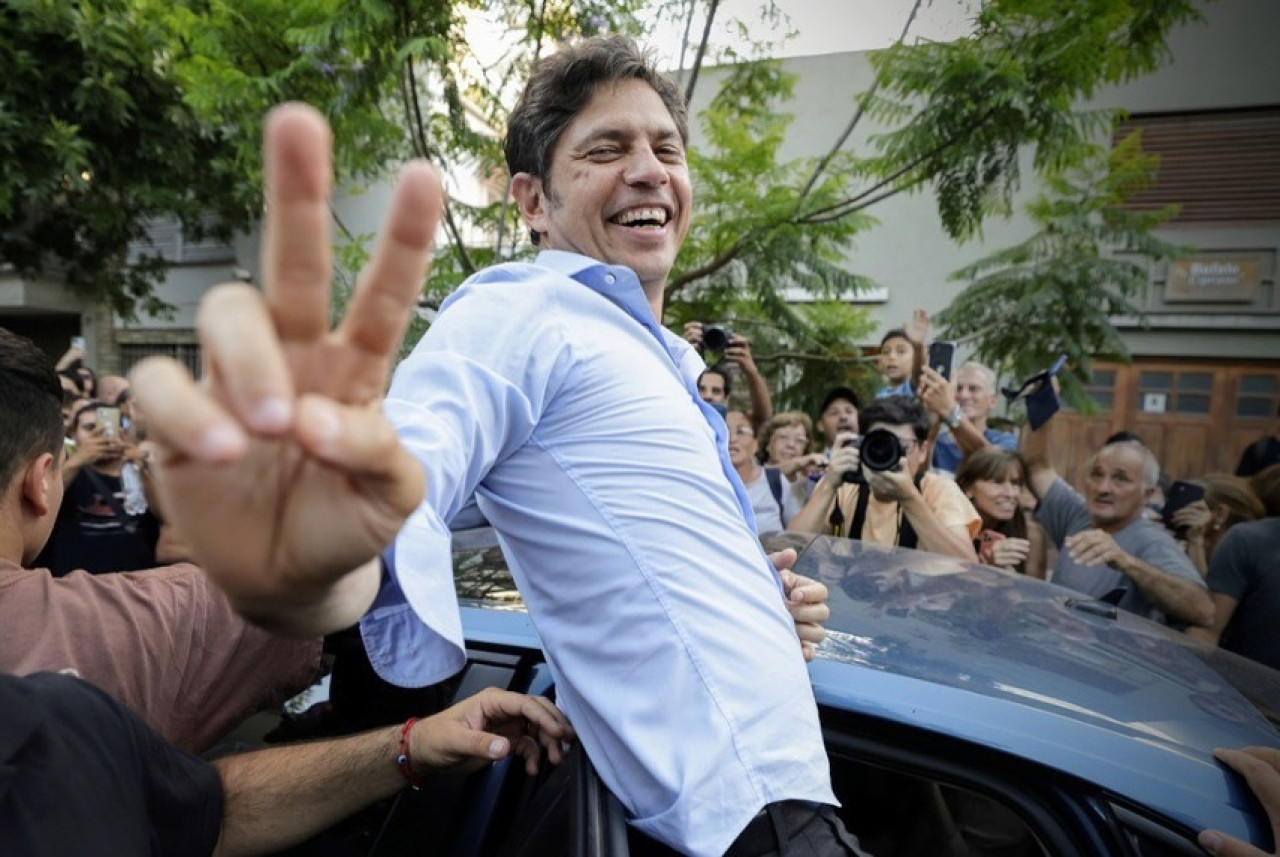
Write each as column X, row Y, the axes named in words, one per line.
column 1205, row 380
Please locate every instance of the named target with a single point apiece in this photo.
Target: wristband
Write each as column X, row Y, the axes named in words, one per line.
column 953, row 419
column 404, row 760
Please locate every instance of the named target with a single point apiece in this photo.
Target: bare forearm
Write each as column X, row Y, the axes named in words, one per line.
column 279, row 797
column 813, row 517
column 1196, row 553
column 309, row 612
column 933, row 535
column 761, row 401
column 1035, row 450
column 969, row 437
column 1177, row 597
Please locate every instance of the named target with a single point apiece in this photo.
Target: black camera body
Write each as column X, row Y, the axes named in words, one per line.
column 880, row 451
column 715, row 337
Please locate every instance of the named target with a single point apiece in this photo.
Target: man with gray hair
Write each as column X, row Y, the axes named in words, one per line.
column 962, row 406
column 1107, row 547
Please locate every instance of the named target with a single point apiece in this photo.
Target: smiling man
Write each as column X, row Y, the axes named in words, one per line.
column 1107, row 547
column 550, row 392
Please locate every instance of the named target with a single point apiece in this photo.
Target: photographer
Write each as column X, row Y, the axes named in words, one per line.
column 904, row 505
column 735, row 349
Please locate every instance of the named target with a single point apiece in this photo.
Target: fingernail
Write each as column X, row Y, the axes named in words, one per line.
column 220, row 441
column 497, row 747
column 1210, row 841
column 273, row 413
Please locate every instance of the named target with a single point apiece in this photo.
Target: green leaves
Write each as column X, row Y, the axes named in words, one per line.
column 1058, row 291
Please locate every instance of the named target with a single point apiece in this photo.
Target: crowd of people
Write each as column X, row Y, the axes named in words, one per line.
column 920, row 466
column 311, row 509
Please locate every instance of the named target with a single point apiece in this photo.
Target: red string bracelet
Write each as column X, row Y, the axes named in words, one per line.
column 404, row 760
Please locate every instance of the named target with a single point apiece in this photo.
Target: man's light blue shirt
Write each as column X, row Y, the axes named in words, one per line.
column 550, row 392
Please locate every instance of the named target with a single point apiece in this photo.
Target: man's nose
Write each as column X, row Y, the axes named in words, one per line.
column 644, row 167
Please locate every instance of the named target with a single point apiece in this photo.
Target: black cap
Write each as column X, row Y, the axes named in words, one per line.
column 835, row 393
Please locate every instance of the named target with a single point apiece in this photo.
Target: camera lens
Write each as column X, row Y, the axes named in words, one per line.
column 715, row 337
column 881, row 450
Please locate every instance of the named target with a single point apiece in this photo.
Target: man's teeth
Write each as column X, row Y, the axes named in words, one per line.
column 645, row 216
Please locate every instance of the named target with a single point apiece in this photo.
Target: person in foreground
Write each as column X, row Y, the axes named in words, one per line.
column 548, row 391
column 165, row 642
column 130, row 791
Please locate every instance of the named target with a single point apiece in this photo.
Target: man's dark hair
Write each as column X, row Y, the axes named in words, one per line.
column 717, row 370
column 30, row 405
column 896, row 411
column 562, row 84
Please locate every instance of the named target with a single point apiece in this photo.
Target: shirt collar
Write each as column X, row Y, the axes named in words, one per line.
column 618, row 283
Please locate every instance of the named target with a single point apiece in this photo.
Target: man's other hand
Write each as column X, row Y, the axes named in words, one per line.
column 806, row 601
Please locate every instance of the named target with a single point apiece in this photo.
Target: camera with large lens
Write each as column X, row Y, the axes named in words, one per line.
column 715, row 337
column 881, row 450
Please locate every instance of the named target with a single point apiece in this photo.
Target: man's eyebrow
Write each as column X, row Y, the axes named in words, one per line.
column 619, row 135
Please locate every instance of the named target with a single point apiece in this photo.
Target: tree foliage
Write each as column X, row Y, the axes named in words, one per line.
column 1058, row 291
column 95, row 141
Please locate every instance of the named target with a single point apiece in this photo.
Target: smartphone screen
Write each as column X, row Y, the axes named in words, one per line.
column 109, row 421
column 1180, row 495
column 941, row 355
column 77, row 342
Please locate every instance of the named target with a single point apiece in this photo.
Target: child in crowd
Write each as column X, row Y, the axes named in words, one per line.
column 901, row 361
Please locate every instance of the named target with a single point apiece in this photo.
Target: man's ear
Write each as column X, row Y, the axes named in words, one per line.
column 38, row 484
column 532, row 201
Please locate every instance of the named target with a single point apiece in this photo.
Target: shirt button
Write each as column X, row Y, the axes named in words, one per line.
column 610, row 278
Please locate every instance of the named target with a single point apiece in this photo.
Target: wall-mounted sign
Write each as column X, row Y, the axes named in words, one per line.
column 1213, row 279
column 1155, row 403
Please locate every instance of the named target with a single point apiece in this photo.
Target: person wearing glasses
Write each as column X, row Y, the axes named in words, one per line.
column 900, row 505
column 772, row 512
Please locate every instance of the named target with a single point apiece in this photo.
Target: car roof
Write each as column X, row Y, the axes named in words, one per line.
column 1015, row 664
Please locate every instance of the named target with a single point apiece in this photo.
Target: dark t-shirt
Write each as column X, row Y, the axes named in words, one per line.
column 95, row 534
column 1259, row 455
column 1246, row 566
column 81, row 774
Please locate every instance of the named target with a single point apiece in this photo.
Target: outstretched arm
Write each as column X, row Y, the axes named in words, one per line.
column 279, row 469
column 739, row 351
column 278, row 797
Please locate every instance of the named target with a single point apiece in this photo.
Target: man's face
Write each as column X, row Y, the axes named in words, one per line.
column 711, row 388
column 618, row 185
column 973, row 397
column 840, row 416
column 742, row 438
column 1113, row 488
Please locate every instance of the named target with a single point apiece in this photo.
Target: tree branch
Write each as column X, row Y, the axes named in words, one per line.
column 702, row 50
column 857, row 116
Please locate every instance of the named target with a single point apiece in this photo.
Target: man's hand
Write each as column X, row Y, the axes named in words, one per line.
column 937, row 393
column 892, row 486
column 806, row 602
column 1260, row 766
column 488, row 726
column 279, row 468
column 739, row 351
column 1094, row 547
column 844, row 457
column 94, row 448
column 693, row 334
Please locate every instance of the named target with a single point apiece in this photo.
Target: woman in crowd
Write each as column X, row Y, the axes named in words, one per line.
column 786, row 444
column 994, row 479
column 1228, row 501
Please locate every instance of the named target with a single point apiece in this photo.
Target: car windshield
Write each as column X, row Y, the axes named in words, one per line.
column 950, row 621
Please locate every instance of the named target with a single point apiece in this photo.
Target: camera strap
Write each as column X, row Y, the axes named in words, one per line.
column 906, row 533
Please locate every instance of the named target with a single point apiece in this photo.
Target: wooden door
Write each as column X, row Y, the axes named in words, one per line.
column 1197, row 416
